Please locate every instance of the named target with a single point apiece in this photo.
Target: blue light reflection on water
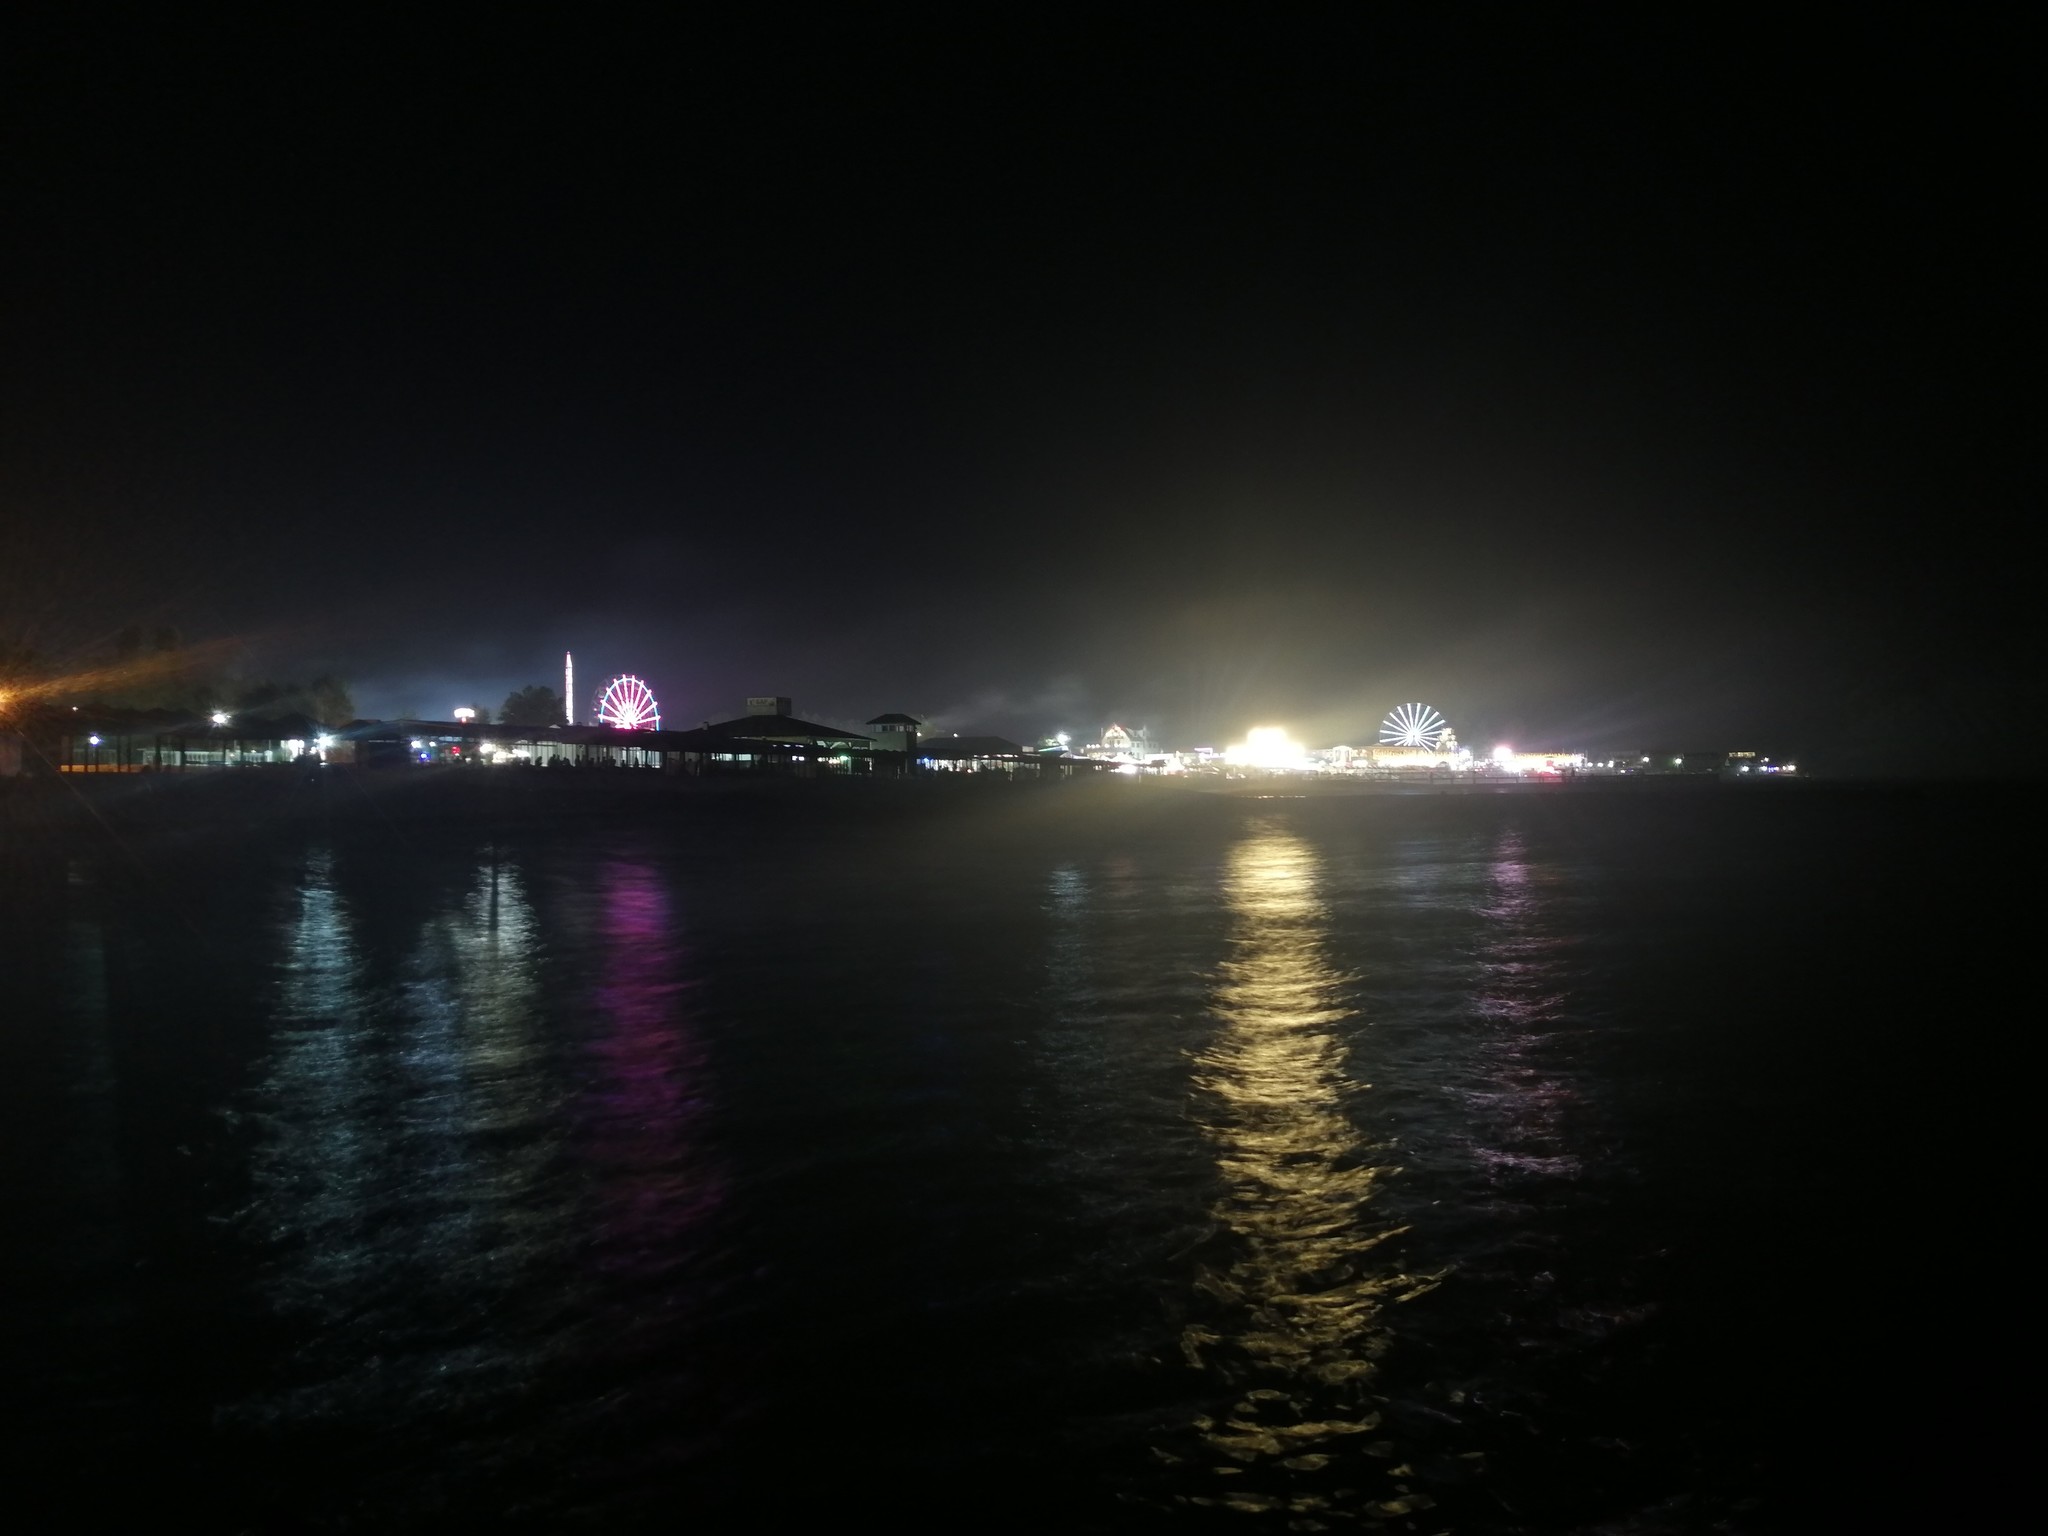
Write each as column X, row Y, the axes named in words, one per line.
column 477, row 1181
column 408, row 1175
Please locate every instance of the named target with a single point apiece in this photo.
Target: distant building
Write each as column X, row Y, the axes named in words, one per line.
column 897, row 733
column 751, row 744
column 778, row 726
column 1689, row 760
column 1540, row 764
column 1405, row 759
column 1121, row 744
column 1747, row 764
column 100, row 739
column 999, row 755
column 971, row 754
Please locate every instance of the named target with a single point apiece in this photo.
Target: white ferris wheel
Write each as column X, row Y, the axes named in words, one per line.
column 1414, row 725
column 627, row 704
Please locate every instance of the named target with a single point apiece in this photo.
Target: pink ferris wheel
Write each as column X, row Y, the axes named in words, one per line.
column 627, row 704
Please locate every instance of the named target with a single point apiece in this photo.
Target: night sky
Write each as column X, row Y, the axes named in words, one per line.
column 1601, row 380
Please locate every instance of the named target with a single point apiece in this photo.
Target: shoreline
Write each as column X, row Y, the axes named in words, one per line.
column 252, row 799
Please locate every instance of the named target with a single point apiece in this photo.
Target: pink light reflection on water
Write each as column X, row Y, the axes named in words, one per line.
column 651, row 1102
column 1523, row 1000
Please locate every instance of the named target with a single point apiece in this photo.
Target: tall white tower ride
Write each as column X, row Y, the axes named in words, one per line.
column 568, row 687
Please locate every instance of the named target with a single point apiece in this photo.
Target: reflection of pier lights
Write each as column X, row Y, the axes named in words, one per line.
column 1299, row 1311
column 1284, row 1143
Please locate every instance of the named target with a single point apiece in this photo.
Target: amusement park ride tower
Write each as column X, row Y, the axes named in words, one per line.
column 625, row 703
column 1417, row 737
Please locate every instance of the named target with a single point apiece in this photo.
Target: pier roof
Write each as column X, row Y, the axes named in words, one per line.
column 972, row 746
column 782, row 728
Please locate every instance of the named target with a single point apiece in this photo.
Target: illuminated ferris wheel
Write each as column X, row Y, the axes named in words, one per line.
column 1414, row 725
column 627, row 704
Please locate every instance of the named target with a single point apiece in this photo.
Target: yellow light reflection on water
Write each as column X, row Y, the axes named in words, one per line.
column 1299, row 1325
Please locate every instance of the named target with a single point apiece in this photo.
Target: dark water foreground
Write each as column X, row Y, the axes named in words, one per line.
column 1102, row 1161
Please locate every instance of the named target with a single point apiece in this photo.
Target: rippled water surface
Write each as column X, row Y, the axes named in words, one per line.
column 1570, row 1163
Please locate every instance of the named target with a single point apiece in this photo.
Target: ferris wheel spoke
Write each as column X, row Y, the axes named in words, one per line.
column 627, row 704
column 1414, row 725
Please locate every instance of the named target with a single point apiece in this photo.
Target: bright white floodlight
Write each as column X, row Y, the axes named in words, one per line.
column 1266, row 746
column 1413, row 725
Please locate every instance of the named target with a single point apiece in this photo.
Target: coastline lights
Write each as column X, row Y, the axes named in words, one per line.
column 1266, row 746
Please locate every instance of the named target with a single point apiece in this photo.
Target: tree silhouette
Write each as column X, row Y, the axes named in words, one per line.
column 325, row 699
column 330, row 700
column 536, row 704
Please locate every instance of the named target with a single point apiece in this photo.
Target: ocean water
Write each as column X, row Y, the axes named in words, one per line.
column 1097, row 1159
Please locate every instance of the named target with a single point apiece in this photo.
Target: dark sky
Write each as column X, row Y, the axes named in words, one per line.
column 1600, row 380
